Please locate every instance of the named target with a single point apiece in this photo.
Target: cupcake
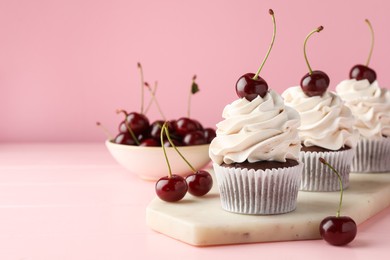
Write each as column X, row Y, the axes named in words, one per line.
column 255, row 151
column 370, row 105
column 325, row 131
column 255, row 156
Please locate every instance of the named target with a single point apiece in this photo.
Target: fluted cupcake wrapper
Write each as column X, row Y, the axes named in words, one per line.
column 372, row 156
column 258, row 192
column 318, row 177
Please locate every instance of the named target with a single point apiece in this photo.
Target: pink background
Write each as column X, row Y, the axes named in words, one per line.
column 66, row 64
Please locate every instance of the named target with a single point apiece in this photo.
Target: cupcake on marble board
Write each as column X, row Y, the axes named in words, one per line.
column 255, row 152
column 326, row 130
column 370, row 105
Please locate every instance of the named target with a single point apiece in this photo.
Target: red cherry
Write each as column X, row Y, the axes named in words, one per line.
column 249, row 88
column 184, row 126
column 155, row 129
column 174, row 141
column 150, row 142
column 360, row 72
column 124, row 138
column 209, row 134
column 315, row 84
column 338, row 231
column 198, row 124
column 172, row 188
column 199, row 183
column 194, row 138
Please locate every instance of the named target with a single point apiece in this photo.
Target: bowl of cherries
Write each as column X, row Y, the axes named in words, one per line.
column 137, row 145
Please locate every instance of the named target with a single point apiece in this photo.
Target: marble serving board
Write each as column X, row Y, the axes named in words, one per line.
column 202, row 221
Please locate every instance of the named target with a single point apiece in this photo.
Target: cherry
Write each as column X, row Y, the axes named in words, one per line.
column 171, row 188
column 199, row 183
column 194, row 138
column 185, row 125
column 149, row 142
column 337, row 230
column 174, row 141
column 138, row 123
column 198, row 124
column 314, row 83
column 360, row 72
column 209, row 134
column 250, row 85
column 155, row 128
column 124, row 138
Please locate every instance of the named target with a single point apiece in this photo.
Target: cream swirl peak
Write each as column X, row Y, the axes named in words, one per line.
column 325, row 120
column 370, row 104
column 263, row 129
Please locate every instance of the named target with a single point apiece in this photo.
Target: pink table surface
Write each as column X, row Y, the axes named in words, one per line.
column 73, row 201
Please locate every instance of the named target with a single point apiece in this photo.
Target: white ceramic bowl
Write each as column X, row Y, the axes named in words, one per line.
column 149, row 162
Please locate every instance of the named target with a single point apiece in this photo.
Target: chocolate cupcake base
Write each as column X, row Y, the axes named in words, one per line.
column 372, row 156
column 258, row 192
column 319, row 177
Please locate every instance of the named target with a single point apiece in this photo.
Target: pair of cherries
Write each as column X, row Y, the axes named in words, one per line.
column 173, row 187
column 314, row 83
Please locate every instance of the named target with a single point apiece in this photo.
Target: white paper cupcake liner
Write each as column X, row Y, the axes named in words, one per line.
column 372, row 156
column 258, row 192
column 318, row 177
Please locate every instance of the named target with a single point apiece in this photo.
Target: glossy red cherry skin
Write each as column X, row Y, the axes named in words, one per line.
column 360, row 72
column 249, row 88
column 209, row 134
column 171, row 189
column 150, row 142
column 338, row 231
column 315, row 84
column 139, row 123
column 185, row 125
column 124, row 138
column 194, row 138
column 199, row 183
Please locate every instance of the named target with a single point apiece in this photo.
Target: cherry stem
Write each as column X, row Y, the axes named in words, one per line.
column 372, row 42
column 142, row 86
column 166, row 130
column 271, row 12
column 163, row 147
column 322, row 160
column 105, row 130
column 304, row 46
column 155, row 99
column 128, row 126
column 153, row 92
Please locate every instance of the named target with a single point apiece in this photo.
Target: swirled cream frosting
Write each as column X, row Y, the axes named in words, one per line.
column 325, row 120
column 370, row 105
column 263, row 129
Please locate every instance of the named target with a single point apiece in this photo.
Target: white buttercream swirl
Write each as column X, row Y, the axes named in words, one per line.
column 325, row 120
column 263, row 129
column 370, row 105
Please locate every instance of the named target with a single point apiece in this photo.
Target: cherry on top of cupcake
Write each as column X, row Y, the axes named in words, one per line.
column 359, row 71
column 314, row 83
column 251, row 85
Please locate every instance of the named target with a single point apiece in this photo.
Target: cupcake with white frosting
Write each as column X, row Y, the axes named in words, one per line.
column 370, row 105
column 255, row 153
column 326, row 131
column 255, row 156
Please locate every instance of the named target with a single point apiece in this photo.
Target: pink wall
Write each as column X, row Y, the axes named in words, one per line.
column 66, row 64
